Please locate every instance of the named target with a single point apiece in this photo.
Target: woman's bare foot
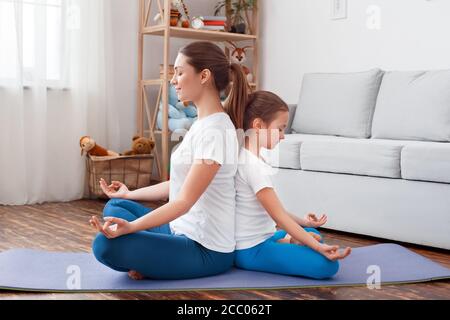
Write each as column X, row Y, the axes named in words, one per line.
column 135, row 275
column 289, row 239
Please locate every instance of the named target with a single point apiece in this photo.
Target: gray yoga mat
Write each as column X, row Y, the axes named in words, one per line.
column 33, row 270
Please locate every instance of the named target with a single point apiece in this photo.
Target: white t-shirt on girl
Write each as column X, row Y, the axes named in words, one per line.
column 211, row 221
column 253, row 224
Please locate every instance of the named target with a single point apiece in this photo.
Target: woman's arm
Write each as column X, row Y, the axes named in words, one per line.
column 200, row 175
column 269, row 200
column 156, row 192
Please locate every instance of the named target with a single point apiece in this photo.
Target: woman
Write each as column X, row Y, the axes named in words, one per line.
column 190, row 236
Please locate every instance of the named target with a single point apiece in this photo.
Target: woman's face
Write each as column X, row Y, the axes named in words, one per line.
column 186, row 80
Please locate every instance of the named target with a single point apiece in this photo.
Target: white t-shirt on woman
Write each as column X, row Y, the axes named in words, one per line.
column 253, row 224
column 211, row 221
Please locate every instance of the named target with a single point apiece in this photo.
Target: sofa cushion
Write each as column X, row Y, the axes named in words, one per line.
column 292, row 109
column 427, row 161
column 351, row 156
column 340, row 104
column 413, row 106
column 287, row 153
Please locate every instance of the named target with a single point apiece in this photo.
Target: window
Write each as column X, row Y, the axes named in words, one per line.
column 31, row 39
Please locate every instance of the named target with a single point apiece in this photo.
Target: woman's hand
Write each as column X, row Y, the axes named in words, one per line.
column 313, row 222
column 332, row 252
column 113, row 227
column 115, row 190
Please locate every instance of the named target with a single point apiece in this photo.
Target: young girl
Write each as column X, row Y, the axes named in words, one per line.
column 292, row 250
column 192, row 235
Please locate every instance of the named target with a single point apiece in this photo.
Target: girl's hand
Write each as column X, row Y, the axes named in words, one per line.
column 313, row 222
column 115, row 190
column 113, row 227
column 332, row 252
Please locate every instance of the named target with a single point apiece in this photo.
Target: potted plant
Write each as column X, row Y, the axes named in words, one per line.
column 238, row 13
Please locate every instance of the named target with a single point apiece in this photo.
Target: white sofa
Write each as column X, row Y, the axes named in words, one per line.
column 372, row 150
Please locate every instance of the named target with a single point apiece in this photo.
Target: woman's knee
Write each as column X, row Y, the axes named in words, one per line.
column 101, row 247
column 115, row 202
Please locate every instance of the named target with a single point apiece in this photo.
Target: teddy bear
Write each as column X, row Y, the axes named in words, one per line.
column 140, row 145
column 181, row 115
column 88, row 145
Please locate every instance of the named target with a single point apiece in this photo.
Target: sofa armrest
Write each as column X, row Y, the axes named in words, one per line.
column 292, row 109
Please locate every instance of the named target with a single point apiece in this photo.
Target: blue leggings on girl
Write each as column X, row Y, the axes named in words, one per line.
column 285, row 258
column 156, row 253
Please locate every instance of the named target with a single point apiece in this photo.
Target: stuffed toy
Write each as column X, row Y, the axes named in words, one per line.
column 88, row 145
column 239, row 56
column 181, row 114
column 140, row 145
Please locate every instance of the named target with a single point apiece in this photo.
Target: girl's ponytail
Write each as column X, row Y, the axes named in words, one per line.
column 238, row 97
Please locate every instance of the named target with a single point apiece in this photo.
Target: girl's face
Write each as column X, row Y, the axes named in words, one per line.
column 186, row 80
column 271, row 134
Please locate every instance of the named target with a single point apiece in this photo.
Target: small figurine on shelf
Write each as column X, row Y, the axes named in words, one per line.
column 179, row 15
column 182, row 9
column 239, row 56
column 181, row 114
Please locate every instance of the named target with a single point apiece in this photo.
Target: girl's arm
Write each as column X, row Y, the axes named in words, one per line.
column 269, row 200
column 298, row 220
column 156, row 192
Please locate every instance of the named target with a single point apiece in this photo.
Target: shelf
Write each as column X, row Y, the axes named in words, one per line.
column 149, row 82
column 190, row 33
column 155, row 131
column 152, row 82
column 149, row 115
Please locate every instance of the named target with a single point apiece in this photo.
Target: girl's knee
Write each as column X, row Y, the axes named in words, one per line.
column 280, row 234
column 313, row 230
column 326, row 269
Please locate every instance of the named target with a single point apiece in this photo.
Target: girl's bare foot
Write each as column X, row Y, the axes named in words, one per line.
column 135, row 275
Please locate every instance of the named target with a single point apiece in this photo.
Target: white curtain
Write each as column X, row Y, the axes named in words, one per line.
column 55, row 59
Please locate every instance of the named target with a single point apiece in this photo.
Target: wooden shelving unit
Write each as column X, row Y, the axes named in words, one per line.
column 147, row 113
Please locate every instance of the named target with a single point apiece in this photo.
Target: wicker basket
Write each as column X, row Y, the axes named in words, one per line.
column 134, row 171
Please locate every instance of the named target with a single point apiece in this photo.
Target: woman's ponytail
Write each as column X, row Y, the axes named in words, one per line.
column 237, row 99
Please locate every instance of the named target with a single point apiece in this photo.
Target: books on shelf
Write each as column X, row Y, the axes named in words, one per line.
column 214, row 18
column 213, row 23
column 216, row 23
column 214, row 28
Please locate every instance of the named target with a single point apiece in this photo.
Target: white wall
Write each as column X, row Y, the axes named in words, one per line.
column 298, row 36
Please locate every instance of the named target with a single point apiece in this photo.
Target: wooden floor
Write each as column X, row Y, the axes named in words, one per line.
column 64, row 227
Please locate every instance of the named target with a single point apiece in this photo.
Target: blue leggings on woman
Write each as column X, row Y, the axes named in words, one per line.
column 156, row 253
column 285, row 258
